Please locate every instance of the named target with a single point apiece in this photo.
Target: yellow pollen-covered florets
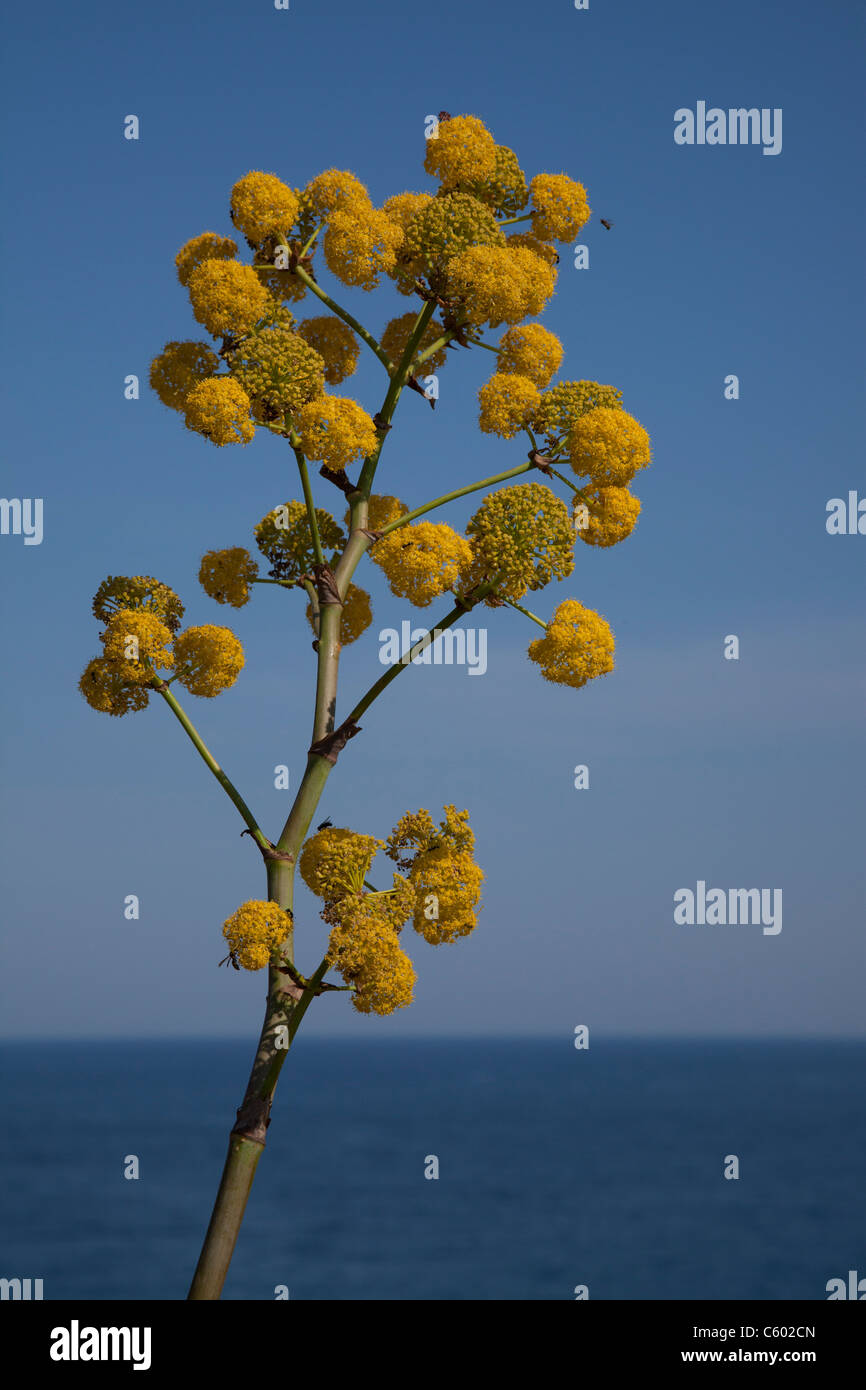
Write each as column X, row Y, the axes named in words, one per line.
column 613, row 514
column 507, row 402
column 138, row 642
column 106, row 688
column 443, row 228
column 505, row 189
column 462, row 149
column 335, row 190
column 262, row 206
column 359, row 244
column 227, row 297
column 500, row 284
column 226, row 575
column 521, row 537
column 207, row 659
column 254, row 932
column 577, row 647
column 283, row 537
column 422, row 560
column 219, row 409
column 402, row 207
column 382, row 510
column 564, row 404
column 335, row 431
column 278, row 369
column 368, row 955
column 559, row 206
column 355, row 617
column 335, row 343
column 545, row 249
column 334, row 862
column 608, row 446
column 137, row 591
column 178, row 368
column 446, row 879
column 530, row 350
column 207, row 247
column 395, row 340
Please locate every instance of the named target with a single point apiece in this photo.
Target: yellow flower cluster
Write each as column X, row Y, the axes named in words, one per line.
column 613, row 514
column 577, row 647
column 382, row 510
column 178, row 368
column 335, row 343
column 564, row 404
column 355, row 617
column 521, row 536
column 500, row 284
column 334, row 862
column 443, row 872
column 137, row 591
column 461, row 150
column 278, row 369
column 219, row 409
column 263, row 206
column 559, row 207
column 138, row 643
column 254, row 932
column 530, row 351
column 105, row 688
column 507, row 402
column 280, row 284
column 283, row 537
column 226, row 575
column 207, row 659
column 608, row 446
column 364, row 946
column 422, row 560
column 505, row 189
column 335, row 431
column 444, row 227
column 396, row 337
column 335, row 190
column 207, row 247
column 402, row 207
column 544, row 249
column 227, row 297
column 360, row 244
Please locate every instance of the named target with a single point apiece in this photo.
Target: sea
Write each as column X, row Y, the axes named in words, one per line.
column 461, row 1169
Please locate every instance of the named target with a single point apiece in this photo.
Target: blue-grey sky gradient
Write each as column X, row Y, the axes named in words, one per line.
column 721, row 260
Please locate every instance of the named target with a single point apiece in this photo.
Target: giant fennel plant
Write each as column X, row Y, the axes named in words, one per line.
column 451, row 251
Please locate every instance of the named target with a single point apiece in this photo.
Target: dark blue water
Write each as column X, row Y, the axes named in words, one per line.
column 556, row 1168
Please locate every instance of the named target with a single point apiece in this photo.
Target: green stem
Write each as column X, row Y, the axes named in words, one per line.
column 224, row 781
column 509, row 221
column 459, row 492
column 521, row 609
column 284, row 583
column 311, row 506
column 343, row 314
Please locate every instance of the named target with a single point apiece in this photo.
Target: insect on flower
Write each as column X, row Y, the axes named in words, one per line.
column 233, row 957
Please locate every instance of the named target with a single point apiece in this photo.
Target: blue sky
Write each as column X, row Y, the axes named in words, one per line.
column 721, row 260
